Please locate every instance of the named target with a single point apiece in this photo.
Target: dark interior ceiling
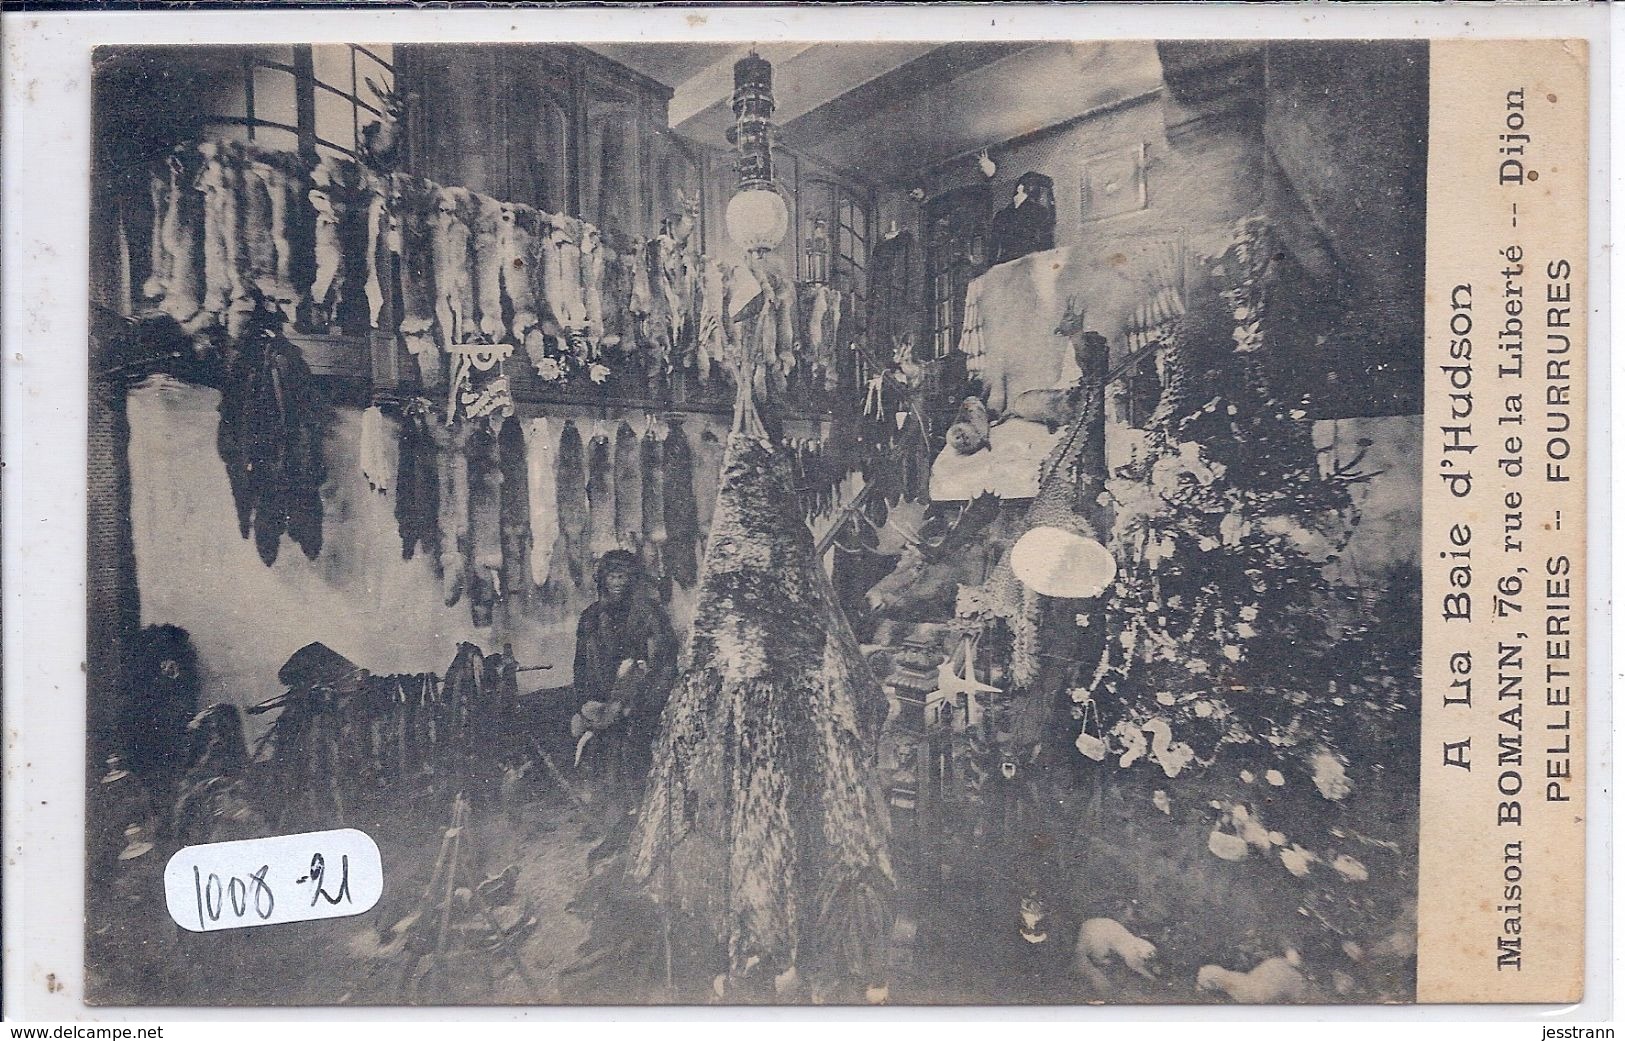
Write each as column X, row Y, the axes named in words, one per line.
column 884, row 112
column 668, row 63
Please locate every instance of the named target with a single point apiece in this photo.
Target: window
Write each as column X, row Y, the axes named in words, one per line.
column 956, row 250
column 851, row 241
column 1143, row 385
column 845, row 217
column 310, row 99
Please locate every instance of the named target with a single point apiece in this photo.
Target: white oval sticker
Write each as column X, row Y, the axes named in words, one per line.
column 285, row 878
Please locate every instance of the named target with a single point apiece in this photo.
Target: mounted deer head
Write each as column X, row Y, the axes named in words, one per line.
column 1071, row 319
column 930, row 572
column 1088, row 346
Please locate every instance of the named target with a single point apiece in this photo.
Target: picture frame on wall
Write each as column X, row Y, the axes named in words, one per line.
column 1113, row 183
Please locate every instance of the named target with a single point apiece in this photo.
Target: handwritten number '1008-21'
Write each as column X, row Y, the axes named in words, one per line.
column 213, row 895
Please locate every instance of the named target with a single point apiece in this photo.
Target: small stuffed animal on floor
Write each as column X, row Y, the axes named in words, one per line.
column 1274, row 981
column 1101, row 940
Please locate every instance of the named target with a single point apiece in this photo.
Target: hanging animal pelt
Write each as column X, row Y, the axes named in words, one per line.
column 710, row 327
column 376, row 253
column 485, row 242
column 560, row 249
column 575, row 516
column 380, row 442
column 762, row 821
column 330, row 197
column 630, row 506
column 708, row 463
column 453, row 282
column 417, row 483
column 513, row 455
column 614, row 295
column 654, row 519
column 484, row 523
column 454, row 534
column 223, row 285
column 541, row 479
column 681, row 511
column 593, row 253
column 601, row 493
column 516, row 241
column 161, row 189
column 417, row 209
column 178, row 265
column 272, row 424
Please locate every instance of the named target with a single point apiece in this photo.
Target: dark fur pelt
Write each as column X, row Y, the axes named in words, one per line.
column 682, row 512
column 484, row 523
column 272, row 424
column 515, row 512
column 574, row 513
column 630, row 507
column 417, row 484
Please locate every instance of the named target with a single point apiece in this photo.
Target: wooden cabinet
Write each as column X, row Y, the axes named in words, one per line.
column 551, row 126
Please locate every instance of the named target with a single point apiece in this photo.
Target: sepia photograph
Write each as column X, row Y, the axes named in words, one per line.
column 731, row 523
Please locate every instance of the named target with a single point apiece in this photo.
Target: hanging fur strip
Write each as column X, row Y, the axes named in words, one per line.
column 161, row 191
column 762, row 823
column 417, row 483
column 643, row 302
column 654, row 517
column 183, row 242
column 708, row 462
column 379, row 446
column 823, row 310
column 328, row 198
column 630, row 506
column 375, row 249
column 601, row 493
column 681, row 511
column 255, row 207
column 616, row 305
column 657, row 322
column 561, row 276
column 270, row 187
column 418, row 209
column 654, row 483
column 217, row 288
column 454, row 534
column 515, row 516
column 271, row 434
column 665, row 268
column 516, row 244
column 541, row 478
column 484, row 523
column 449, row 246
column 710, row 333
column 593, row 253
column 574, row 513
column 486, row 225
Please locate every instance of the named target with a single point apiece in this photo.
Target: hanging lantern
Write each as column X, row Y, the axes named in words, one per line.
column 757, row 217
column 818, row 252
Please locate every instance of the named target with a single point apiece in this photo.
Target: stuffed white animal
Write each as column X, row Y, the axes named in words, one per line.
column 1102, row 939
column 1274, row 981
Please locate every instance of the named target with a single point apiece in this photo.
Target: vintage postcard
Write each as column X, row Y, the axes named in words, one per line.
column 882, row 522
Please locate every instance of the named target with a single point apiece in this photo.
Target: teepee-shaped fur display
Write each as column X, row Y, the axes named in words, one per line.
column 761, row 823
